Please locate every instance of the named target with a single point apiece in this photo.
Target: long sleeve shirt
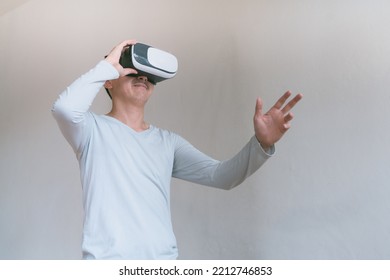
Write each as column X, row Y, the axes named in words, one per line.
column 126, row 175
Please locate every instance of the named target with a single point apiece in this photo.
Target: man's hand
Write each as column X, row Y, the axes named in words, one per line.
column 270, row 127
column 115, row 54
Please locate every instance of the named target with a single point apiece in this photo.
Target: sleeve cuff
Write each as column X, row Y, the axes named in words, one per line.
column 269, row 152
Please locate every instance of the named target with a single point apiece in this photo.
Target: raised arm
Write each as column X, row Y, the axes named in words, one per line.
column 71, row 108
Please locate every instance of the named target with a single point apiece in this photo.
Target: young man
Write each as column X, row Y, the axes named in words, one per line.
column 126, row 164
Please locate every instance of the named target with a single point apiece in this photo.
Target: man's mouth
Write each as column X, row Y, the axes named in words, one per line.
column 141, row 84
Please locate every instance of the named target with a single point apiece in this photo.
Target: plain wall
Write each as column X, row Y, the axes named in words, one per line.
column 323, row 195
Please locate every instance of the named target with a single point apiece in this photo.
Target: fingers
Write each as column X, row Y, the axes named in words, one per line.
column 128, row 71
column 116, row 52
column 286, row 126
column 282, row 100
column 287, row 121
column 114, row 56
column 119, row 48
column 278, row 105
column 129, row 42
column 288, row 117
column 292, row 103
column 124, row 44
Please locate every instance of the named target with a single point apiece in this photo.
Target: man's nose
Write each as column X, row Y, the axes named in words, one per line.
column 143, row 78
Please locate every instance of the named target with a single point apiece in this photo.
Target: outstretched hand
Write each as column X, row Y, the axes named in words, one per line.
column 115, row 54
column 270, row 127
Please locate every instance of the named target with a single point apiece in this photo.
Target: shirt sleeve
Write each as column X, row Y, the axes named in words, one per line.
column 71, row 108
column 192, row 165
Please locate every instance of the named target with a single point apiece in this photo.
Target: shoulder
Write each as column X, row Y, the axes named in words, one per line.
column 172, row 137
column 164, row 133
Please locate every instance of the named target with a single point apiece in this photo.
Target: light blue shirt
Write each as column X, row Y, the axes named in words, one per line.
column 126, row 175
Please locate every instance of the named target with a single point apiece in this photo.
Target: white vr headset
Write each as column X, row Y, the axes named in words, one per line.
column 155, row 64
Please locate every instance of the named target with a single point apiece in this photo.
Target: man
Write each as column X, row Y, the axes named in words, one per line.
column 126, row 164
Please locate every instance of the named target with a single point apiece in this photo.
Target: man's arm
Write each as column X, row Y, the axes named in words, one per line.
column 192, row 165
column 70, row 109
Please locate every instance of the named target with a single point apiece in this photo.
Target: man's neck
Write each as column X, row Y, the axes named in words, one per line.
column 133, row 117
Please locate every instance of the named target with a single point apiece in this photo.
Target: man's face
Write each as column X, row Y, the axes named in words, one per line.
column 134, row 89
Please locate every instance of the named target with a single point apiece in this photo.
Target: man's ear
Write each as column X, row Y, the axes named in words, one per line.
column 108, row 84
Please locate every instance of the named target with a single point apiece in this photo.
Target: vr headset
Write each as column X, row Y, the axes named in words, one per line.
column 155, row 64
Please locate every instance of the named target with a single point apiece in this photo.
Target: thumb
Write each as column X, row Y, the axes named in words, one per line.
column 128, row 71
column 259, row 107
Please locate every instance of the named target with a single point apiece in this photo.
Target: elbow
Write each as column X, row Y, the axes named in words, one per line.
column 225, row 188
column 58, row 108
column 226, row 179
column 62, row 110
column 228, row 184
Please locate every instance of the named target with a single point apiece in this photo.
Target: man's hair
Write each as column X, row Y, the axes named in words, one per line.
column 108, row 92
